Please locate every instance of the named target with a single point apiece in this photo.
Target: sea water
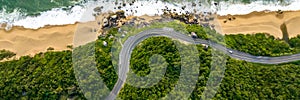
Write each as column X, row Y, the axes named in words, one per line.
column 61, row 12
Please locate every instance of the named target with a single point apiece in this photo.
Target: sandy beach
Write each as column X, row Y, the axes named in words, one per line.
column 24, row 41
column 29, row 42
column 265, row 22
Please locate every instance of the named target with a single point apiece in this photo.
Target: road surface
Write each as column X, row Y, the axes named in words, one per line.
column 131, row 42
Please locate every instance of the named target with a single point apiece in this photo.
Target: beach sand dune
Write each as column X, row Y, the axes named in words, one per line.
column 264, row 22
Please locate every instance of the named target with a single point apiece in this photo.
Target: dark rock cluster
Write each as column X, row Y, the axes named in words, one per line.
column 229, row 18
column 202, row 19
column 114, row 20
column 118, row 18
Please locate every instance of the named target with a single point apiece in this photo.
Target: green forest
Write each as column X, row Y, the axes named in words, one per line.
column 262, row 44
column 50, row 75
column 242, row 80
column 259, row 44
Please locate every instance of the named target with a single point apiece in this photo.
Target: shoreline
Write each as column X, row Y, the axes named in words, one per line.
column 261, row 22
column 26, row 41
column 23, row 41
column 86, row 10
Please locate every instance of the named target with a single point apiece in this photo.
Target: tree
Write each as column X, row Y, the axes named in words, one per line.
column 5, row 54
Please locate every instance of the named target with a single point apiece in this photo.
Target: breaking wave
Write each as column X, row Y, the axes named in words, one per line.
column 84, row 12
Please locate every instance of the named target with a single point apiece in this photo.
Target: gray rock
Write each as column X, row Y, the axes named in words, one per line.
column 97, row 9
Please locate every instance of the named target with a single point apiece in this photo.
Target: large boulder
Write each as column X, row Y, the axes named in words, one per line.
column 120, row 13
column 97, row 9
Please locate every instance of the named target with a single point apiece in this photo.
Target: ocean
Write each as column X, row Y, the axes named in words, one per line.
column 34, row 14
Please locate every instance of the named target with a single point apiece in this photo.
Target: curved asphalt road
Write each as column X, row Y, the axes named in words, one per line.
column 132, row 41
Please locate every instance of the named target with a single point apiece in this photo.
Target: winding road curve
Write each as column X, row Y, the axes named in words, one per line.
column 132, row 41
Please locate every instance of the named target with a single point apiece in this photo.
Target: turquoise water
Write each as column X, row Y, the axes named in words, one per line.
column 34, row 7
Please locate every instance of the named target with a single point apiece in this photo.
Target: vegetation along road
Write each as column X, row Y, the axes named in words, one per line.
column 132, row 41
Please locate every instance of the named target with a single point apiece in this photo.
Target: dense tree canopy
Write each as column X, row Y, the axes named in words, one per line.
column 259, row 44
column 50, row 75
column 139, row 65
column 295, row 42
column 44, row 76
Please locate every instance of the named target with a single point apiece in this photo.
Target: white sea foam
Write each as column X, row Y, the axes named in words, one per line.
column 52, row 17
column 153, row 7
column 239, row 9
column 9, row 18
column 83, row 13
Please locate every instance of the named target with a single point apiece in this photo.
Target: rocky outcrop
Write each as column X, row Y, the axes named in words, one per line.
column 116, row 19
